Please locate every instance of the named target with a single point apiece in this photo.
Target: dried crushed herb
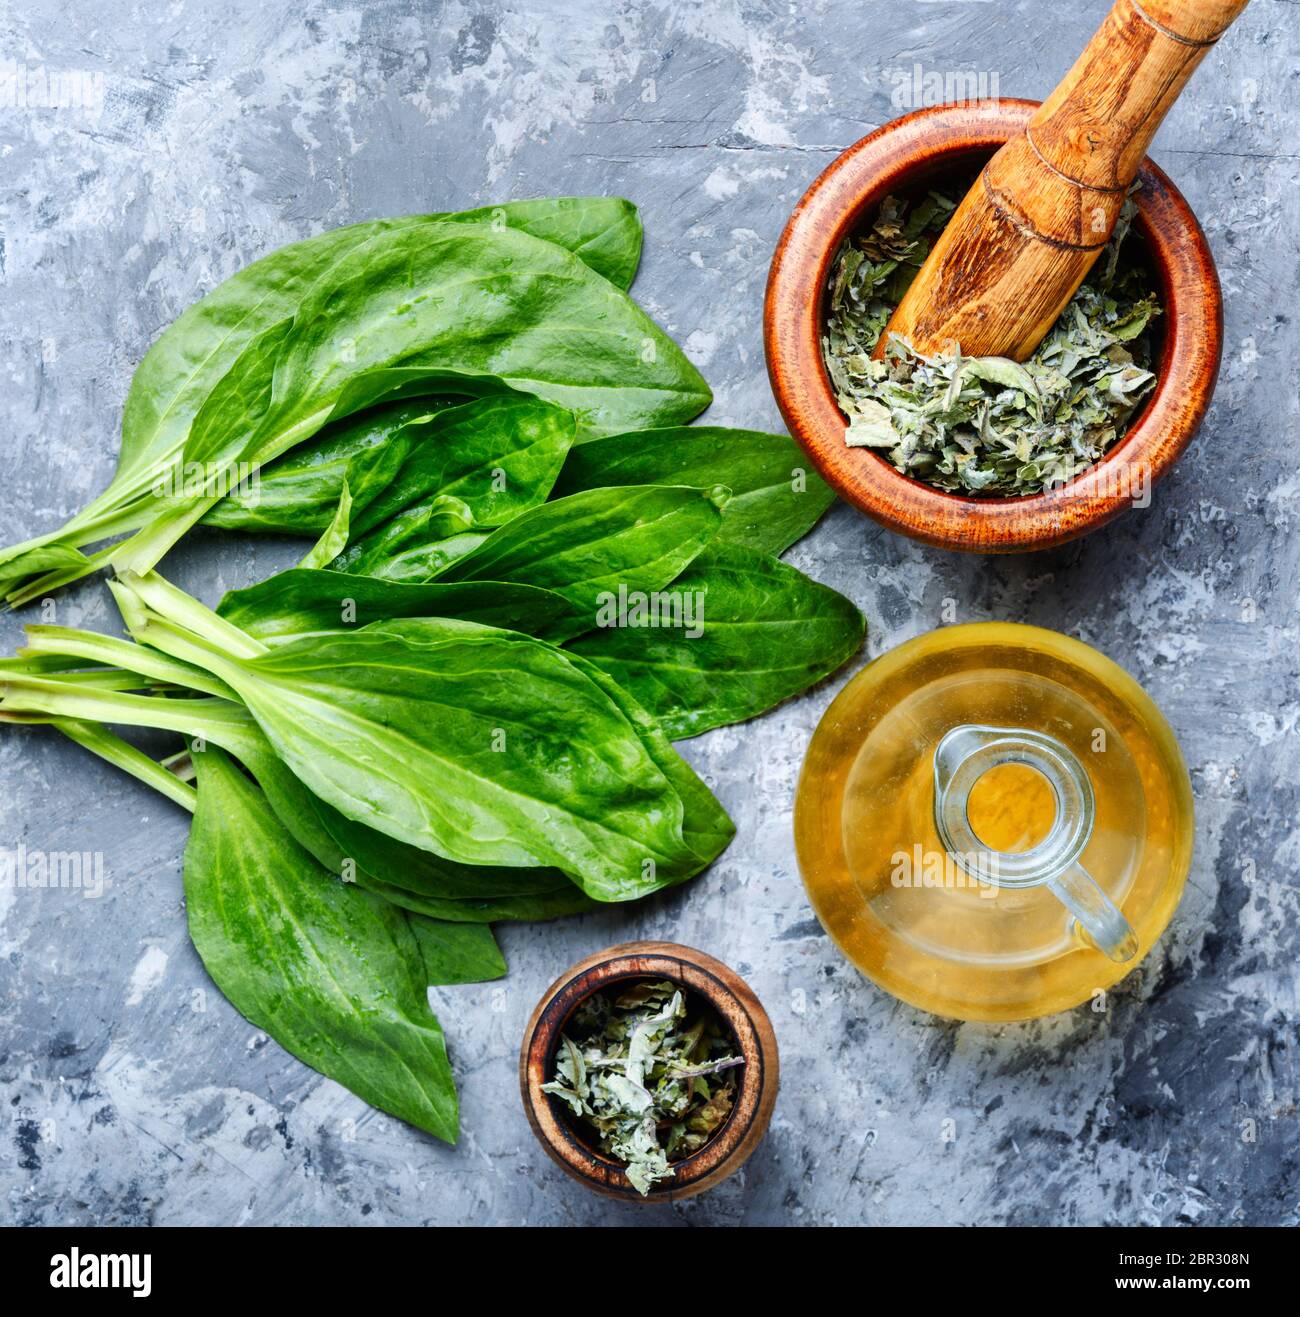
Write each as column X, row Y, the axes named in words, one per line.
column 650, row 1069
column 986, row 425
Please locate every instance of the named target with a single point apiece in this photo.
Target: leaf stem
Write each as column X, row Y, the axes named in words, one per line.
column 215, row 720
column 165, row 601
column 95, row 648
column 43, row 585
column 146, row 548
column 112, row 748
column 102, row 679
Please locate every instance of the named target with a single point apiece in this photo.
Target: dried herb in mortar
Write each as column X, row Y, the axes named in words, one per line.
column 651, row 1070
column 985, row 425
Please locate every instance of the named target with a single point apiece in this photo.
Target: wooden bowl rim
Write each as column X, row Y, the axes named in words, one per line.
column 739, row 1008
column 793, row 316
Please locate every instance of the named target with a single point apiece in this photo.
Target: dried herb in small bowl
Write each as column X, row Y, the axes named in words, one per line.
column 650, row 1070
column 986, row 425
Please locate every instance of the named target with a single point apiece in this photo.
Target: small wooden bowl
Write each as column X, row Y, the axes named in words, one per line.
column 925, row 148
column 735, row 1004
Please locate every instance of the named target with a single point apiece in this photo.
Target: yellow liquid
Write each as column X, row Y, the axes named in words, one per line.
column 1011, row 808
column 872, row 860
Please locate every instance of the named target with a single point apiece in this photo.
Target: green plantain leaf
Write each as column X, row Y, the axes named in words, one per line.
column 417, row 528
column 565, row 898
column 297, row 493
column 410, row 553
column 46, row 558
column 589, row 545
column 334, row 536
column 331, row 972
column 415, row 879
column 201, row 345
column 603, row 232
column 401, row 737
column 501, row 304
column 298, row 603
column 195, row 353
column 498, row 456
column 420, row 881
column 767, row 633
column 776, row 496
column 707, row 827
column 457, row 953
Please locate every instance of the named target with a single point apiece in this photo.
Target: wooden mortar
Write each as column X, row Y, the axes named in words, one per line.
column 737, row 1007
column 925, row 149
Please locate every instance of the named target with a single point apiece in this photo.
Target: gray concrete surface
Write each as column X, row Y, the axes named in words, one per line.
column 131, row 1092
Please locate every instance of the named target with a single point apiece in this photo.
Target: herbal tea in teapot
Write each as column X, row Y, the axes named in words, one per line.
column 994, row 821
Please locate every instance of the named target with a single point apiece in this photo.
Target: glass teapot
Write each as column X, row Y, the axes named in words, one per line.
column 994, row 822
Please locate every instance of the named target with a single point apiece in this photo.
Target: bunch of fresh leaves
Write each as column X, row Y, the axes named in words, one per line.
column 438, row 720
column 525, row 294
column 337, row 974
column 652, row 1071
column 986, row 425
column 612, row 523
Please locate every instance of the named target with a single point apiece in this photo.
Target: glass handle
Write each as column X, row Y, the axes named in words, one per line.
column 1097, row 914
column 967, row 752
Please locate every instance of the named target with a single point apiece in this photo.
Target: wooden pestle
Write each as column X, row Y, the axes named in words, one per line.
column 1038, row 216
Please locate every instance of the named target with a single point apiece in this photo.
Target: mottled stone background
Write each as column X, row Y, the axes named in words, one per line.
column 229, row 128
